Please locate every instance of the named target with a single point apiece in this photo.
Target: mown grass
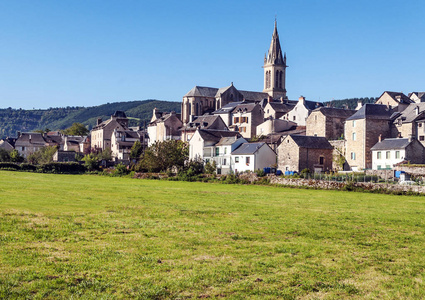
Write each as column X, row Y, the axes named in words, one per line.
column 90, row 237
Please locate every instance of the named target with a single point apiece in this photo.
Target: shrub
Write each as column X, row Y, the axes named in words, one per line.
column 9, row 166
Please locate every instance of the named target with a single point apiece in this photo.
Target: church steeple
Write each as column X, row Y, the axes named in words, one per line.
column 275, row 68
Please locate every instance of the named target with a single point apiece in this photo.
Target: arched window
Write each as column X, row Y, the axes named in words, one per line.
column 196, row 110
column 276, row 81
column 267, row 79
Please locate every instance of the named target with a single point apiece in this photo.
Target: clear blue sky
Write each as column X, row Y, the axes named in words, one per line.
column 85, row 53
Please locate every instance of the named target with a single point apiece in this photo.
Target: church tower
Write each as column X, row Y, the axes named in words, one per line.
column 275, row 68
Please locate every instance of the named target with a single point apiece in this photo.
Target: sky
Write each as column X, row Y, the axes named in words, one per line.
column 87, row 53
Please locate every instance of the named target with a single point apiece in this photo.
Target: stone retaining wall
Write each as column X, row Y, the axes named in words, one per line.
column 334, row 185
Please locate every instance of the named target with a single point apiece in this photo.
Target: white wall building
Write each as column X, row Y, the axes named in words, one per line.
column 253, row 156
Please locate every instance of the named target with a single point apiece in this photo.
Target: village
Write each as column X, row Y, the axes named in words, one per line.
column 241, row 131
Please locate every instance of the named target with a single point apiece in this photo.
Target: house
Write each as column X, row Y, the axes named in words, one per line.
column 202, row 145
column 301, row 111
column 417, row 97
column 276, row 109
column 299, row 152
column 271, row 125
column 252, row 157
column 222, row 153
column 389, row 152
column 30, row 142
column 245, row 119
column 64, row 156
column 395, row 100
column 101, row 133
column 410, row 122
column 362, row 131
column 328, row 122
column 123, row 140
column 203, row 122
column 225, row 112
column 7, row 144
column 165, row 127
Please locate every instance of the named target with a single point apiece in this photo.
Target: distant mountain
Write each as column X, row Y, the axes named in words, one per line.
column 349, row 103
column 14, row 120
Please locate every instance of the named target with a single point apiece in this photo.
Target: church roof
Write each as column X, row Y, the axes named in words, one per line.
column 202, row 91
column 274, row 56
column 254, row 96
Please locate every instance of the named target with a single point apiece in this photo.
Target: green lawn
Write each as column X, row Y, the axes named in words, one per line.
column 80, row 236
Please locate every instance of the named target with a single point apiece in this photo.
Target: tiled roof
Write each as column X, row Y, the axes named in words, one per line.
column 216, row 135
column 311, row 142
column 311, row 105
column 389, row 144
column 372, row 111
column 203, row 121
column 227, row 108
column 248, row 148
column 254, row 96
column 31, row 138
column 227, row 140
column 336, row 112
column 246, row 107
column 399, row 97
column 413, row 112
column 202, row 91
column 281, row 107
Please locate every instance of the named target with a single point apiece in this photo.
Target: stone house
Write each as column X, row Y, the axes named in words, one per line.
column 410, row 122
column 102, row 132
column 395, row 100
column 301, row 111
column 328, row 122
column 389, row 152
column 252, row 157
column 203, row 142
column 245, row 119
column 64, row 156
column 299, row 152
column 203, row 122
column 166, row 127
column 30, row 142
column 362, row 131
column 7, row 144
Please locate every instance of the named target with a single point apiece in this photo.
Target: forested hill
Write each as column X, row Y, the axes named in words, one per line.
column 349, row 103
column 14, row 120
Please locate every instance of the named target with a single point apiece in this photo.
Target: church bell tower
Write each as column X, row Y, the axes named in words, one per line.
column 275, row 68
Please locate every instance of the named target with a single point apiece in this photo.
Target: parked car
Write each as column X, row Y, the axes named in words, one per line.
column 407, row 182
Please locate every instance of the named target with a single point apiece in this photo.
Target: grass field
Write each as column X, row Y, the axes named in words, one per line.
column 72, row 236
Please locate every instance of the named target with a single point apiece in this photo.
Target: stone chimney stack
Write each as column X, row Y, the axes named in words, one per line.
column 359, row 104
column 301, row 99
column 99, row 120
column 270, row 99
column 380, row 138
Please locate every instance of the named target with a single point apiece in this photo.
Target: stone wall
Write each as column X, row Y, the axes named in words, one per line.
column 339, row 149
column 333, row 185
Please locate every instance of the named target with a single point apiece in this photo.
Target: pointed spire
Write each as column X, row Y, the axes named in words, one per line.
column 274, row 55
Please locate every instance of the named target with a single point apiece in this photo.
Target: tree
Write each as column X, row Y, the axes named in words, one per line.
column 136, row 150
column 4, row 155
column 91, row 161
column 42, row 156
column 76, row 129
column 163, row 156
column 15, row 156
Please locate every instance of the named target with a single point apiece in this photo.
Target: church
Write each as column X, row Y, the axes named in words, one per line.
column 203, row 100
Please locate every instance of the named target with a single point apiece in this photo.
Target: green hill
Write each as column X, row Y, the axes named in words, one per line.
column 14, row 120
column 350, row 103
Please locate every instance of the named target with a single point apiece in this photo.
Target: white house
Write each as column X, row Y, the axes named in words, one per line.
column 253, row 156
column 222, row 153
column 301, row 111
column 274, row 125
column 389, row 152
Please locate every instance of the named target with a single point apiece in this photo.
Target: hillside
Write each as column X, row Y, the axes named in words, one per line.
column 14, row 120
column 350, row 103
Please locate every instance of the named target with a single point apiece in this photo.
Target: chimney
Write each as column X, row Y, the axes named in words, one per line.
column 411, row 138
column 270, row 99
column 380, row 138
column 282, row 100
column 417, row 110
column 359, row 104
column 99, row 120
column 302, row 99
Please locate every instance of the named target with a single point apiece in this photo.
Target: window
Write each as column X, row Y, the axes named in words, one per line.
column 387, row 155
column 247, row 160
column 354, row 123
column 235, row 120
column 420, row 125
column 421, row 138
column 353, row 155
column 217, row 151
column 236, row 159
column 295, row 118
column 315, row 118
column 23, row 148
column 354, row 136
column 268, row 111
column 321, row 160
column 397, row 154
column 225, row 150
column 378, row 155
column 224, row 161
